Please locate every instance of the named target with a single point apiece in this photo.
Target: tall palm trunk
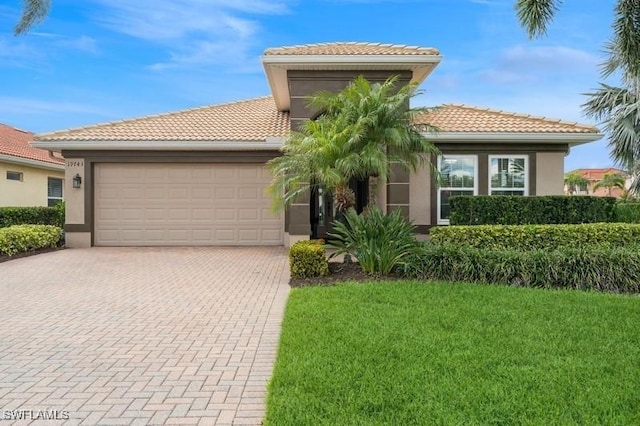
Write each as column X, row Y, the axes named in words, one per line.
column 372, row 200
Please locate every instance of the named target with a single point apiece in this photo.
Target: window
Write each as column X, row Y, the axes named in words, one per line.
column 14, row 176
column 54, row 191
column 459, row 177
column 508, row 175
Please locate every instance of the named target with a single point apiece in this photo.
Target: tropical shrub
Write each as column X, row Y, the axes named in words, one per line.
column 380, row 242
column 628, row 212
column 10, row 216
column 538, row 237
column 21, row 238
column 514, row 210
column 308, row 259
column 615, row 270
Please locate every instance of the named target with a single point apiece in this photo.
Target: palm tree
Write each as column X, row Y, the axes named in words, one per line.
column 617, row 108
column 377, row 124
column 610, row 181
column 34, row 11
column 574, row 181
column 361, row 130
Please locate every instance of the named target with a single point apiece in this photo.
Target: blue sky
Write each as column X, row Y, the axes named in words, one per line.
column 94, row 61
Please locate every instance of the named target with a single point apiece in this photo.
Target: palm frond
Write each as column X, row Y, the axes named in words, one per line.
column 33, row 12
column 535, row 15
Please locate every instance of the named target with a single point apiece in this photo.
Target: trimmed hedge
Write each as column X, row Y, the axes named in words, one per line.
column 10, row 216
column 615, row 270
column 538, row 237
column 628, row 212
column 516, row 210
column 21, row 238
column 308, row 259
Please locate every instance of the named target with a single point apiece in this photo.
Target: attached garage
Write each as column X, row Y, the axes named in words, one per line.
column 183, row 204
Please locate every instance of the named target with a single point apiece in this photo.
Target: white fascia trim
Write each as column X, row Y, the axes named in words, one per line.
column 514, row 137
column 274, row 143
column 29, row 162
column 350, row 59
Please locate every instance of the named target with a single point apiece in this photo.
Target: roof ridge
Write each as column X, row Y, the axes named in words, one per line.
column 159, row 115
column 352, row 43
column 521, row 115
column 17, row 129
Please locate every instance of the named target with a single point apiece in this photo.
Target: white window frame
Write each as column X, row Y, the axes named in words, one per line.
column 439, row 190
column 49, row 197
column 490, row 189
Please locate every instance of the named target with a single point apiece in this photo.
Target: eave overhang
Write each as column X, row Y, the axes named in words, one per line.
column 276, row 67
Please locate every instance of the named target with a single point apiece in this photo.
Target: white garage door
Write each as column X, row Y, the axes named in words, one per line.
column 184, row 205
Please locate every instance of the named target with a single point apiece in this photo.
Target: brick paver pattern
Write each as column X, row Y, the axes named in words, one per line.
column 128, row 336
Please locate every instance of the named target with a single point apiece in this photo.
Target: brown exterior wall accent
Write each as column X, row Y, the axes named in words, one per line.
column 124, row 156
column 398, row 190
column 303, row 84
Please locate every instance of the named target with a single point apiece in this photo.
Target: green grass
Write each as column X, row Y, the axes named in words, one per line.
column 436, row 353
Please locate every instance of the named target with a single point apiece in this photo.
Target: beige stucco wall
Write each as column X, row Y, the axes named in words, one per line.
column 550, row 173
column 74, row 197
column 420, row 196
column 32, row 191
column 77, row 239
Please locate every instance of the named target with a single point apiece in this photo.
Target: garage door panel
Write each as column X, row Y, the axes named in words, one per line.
column 184, row 204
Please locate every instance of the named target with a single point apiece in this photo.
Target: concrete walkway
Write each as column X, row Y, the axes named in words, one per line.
column 140, row 335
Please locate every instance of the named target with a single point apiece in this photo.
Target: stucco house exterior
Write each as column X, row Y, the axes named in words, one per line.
column 593, row 176
column 28, row 176
column 198, row 177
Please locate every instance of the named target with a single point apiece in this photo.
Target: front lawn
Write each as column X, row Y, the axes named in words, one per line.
column 440, row 353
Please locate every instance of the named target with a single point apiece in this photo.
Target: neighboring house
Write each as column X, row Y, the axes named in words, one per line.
column 596, row 175
column 198, row 177
column 28, row 176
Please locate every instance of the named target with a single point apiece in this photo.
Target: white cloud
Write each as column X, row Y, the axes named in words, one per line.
column 195, row 32
column 31, row 106
column 527, row 64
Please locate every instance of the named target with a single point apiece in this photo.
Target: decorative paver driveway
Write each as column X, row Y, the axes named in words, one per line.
column 140, row 335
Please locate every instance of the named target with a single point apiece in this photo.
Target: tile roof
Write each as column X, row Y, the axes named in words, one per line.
column 15, row 143
column 249, row 120
column 351, row 48
column 257, row 119
column 466, row 118
column 597, row 174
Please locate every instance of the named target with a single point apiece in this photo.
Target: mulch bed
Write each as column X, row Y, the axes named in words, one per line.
column 4, row 258
column 339, row 272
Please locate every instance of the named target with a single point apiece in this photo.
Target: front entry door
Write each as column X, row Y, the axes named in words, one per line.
column 323, row 211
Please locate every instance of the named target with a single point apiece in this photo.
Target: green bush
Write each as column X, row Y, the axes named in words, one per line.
column 377, row 240
column 515, row 210
column 628, row 212
column 308, row 259
column 615, row 270
column 21, row 238
column 538, row 237
column 10, row 216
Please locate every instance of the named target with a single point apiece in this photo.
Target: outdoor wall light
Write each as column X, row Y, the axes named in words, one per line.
column 77, row 181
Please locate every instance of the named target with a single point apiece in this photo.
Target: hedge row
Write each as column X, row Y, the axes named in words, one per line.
column 628, row 212
column 10, row 216
column 21, row 238
column 308, row 259
column 615, row 270
column 541, row 237
column 514, row 210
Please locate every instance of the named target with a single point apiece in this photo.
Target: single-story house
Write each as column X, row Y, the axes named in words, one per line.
column 593, row 176
column 28, row 176
column 198, row 177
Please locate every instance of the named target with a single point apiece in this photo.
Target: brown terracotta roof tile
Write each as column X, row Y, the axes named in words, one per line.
column 257, row 119
column 15, row 143
column 249, row 120
column 466, row 118
column 351, row 48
